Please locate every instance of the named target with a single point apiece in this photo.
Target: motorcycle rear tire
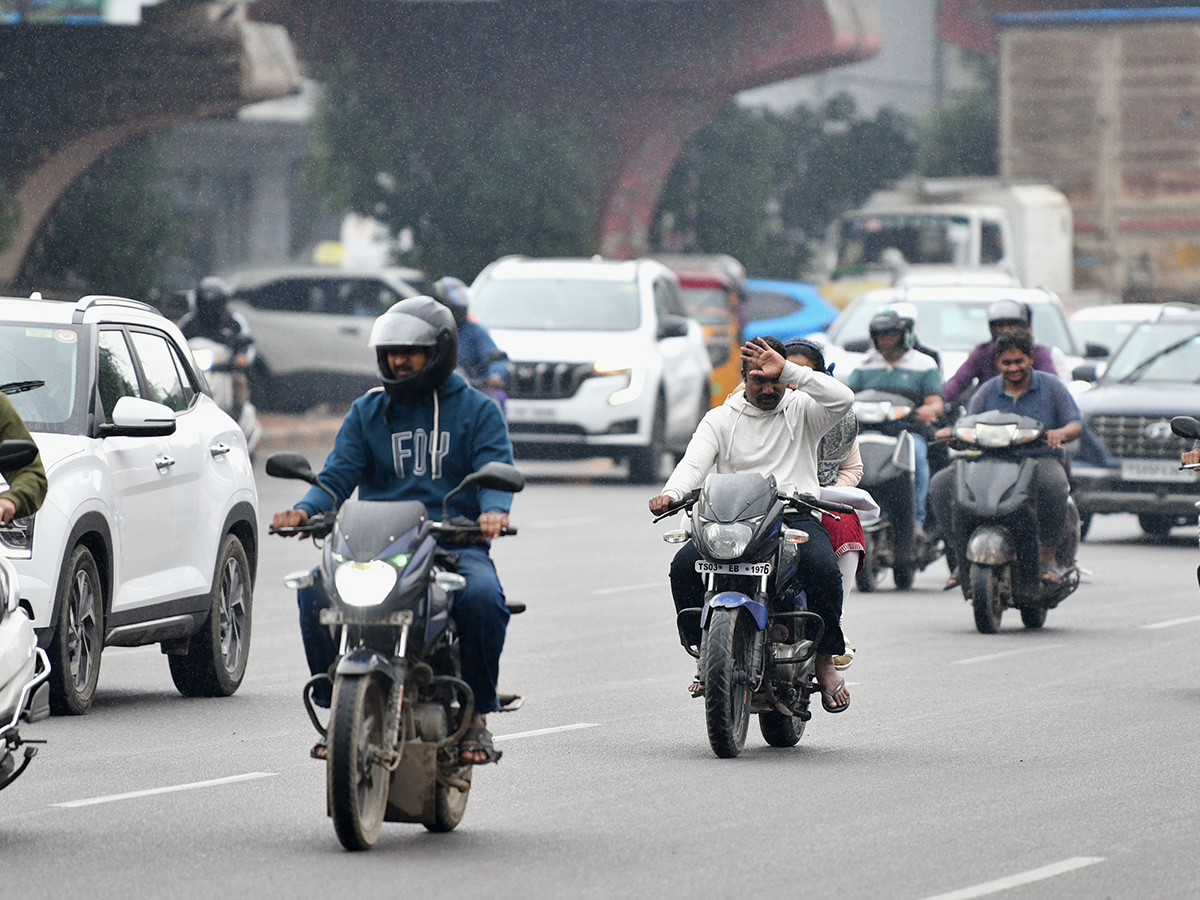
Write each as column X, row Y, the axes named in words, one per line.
column 725, row 661
column 779, row 730
column 449, row 805
column 985, row 598
column 903, row 576
column 357, row 784
column 870, row 576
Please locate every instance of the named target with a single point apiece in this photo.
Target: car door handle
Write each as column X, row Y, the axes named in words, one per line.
column 219, row 449
column 163, row 462
column 349, row 329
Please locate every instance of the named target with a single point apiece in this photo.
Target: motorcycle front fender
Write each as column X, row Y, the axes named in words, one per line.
column 732, row 600
column 990, row 546
column 365, row 661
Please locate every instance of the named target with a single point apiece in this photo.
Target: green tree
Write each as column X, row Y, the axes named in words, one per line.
column 113, row 229
column 962, row 136
column 473, row 182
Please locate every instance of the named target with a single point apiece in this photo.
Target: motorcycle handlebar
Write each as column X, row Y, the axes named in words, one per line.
column 815, row 503
column 318, row 525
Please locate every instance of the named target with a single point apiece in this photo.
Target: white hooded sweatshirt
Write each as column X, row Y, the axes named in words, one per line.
column 738, row 437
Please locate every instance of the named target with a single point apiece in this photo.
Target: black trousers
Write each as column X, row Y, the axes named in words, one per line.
column 819, row 574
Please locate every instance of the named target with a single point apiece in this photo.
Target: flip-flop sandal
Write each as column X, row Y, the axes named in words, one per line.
column 1051, row 574
column 831, row 693
column 473, row 741
column 696, row 688
column 319, row 751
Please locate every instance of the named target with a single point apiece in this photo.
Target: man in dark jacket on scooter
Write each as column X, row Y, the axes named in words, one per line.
column 416, row 438
column 1022, row 390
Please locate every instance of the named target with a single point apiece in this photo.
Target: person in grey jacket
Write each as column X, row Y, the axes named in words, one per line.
column 770, row 430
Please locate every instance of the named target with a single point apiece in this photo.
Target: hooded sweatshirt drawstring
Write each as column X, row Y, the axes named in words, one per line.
column 435, row 466
column 733, row 432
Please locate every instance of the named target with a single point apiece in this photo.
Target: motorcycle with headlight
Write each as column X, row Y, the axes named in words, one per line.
column 400, row 705
column 886, row 422
column 1187, row 427
column 24, row 666
column 230, row 385
column 994, row 508
column 758, row 645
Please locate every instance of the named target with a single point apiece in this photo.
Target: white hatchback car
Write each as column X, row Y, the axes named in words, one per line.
column 148, row 533
column 604, row 360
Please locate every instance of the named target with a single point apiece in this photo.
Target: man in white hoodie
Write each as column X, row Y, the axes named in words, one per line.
column 770, row 430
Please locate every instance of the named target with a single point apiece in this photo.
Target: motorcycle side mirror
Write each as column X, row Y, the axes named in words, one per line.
column 1186, row 427
column 858, row 345
column 1084, row 373
column 1096, row 351
column 496, row 476
column 288, row 464
column 16, row 455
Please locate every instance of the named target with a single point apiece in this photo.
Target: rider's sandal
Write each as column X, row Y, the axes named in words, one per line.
column 830, row 694
column 473, row 741
column 1051, row 573
column 696, row 688
column 319, row 751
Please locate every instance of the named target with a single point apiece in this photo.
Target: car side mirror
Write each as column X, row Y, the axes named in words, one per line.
column 858, row 345
column 1084, row 373
column 672, row 326
column 137, row 417
column 1096, row 351
column 1186, row 427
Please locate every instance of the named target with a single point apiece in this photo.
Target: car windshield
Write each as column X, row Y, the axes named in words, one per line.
column 708, row 305
column 953, row 326
column 557, row 304
column 920, row 238
column 38, row 372
column 1106, row 332
column 1158, row 351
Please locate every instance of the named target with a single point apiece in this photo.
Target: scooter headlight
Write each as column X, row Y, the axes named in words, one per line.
column 727, row 540
column 204, row 358
column 870, row 413
column 364, row 584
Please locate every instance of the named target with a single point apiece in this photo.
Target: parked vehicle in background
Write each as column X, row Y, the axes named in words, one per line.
column 311, row 326
column 605, row 361
column 785, row 309
column 149, row 530
column 952, row 276
column 1133, row 466
column 951, row 320
column 933, row 224
column 1106, row 326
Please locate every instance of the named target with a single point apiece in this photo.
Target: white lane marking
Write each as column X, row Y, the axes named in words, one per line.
column 628, row 588
column 1003, row 653
column 1012, row 881
column 132, row 795
column 1171, row 623
column 540, row 731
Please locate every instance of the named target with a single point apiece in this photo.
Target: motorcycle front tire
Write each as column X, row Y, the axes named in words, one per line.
column 985, row 598
column 357, row 784
column 725, row 660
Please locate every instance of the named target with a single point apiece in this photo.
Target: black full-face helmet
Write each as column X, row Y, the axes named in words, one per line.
column 212, row 297
column 416, row 322
column 1007, row 312
column 455, row 295
column 889, row 321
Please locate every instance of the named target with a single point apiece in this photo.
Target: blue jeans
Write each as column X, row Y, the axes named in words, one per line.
column 480, row 614
column 921, row 452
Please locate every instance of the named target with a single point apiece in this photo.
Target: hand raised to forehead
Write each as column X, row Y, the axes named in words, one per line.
column 762, row 359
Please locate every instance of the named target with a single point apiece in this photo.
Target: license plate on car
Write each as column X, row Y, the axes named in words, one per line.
column 528, row 412
column 1155, row 470
column 762, row 568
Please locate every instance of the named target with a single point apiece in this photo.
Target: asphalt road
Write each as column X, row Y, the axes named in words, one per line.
column 1057, row 763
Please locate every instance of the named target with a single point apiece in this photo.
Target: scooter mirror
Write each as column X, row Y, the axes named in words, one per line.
column 497, row 476
column 288, row 464
column 16, row 455
column 1186, row 427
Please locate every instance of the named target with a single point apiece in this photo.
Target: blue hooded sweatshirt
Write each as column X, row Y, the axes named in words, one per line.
column 384, row 449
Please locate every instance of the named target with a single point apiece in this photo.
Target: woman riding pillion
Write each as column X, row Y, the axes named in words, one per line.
column 416, row 438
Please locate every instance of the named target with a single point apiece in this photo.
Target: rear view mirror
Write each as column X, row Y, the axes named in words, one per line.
column 859, row 345
column 1096, row 351
column 136, row 417
column 1084, row 373
column 1186, row 427
column 672, row 326
column 497, row 476
column 16, row 455
column 287, row 464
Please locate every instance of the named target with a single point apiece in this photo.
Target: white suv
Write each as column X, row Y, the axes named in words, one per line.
column 148, row 534
column 604, row 361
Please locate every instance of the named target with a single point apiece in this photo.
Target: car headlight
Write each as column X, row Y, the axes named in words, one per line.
column 727, row 540
column 17, row 536
column 364, row 584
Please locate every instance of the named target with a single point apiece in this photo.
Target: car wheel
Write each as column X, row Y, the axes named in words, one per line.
column 1154, row 525
column 645, row 463
column 215, row 662
column 78, row 636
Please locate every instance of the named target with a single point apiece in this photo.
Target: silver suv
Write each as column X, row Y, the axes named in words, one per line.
column 604, row 360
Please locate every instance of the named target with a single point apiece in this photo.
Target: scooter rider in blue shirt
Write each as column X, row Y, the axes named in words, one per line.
column 416, row 438
column 479, row 358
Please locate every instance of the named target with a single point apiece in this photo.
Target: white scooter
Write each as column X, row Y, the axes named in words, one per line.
column 230, row 386
column 24, row 666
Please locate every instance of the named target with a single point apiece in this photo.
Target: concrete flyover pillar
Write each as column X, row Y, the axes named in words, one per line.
column 87, row 90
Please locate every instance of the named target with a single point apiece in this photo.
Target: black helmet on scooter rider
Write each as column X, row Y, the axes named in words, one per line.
column 211, row 298
column 1007, row 313
column 416, row 322
column 889, row 321
column 455, row 295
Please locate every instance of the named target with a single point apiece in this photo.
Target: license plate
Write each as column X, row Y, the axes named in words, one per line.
column 521, row 412
column 347, row 616
column 1155, row 470
column 762, row 568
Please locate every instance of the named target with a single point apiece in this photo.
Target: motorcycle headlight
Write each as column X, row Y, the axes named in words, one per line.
column 897, row 412
column 17, row 537
column 727, row 541
column 204, row 358
column 364, row 584
column 995, row 436
column 870, row 413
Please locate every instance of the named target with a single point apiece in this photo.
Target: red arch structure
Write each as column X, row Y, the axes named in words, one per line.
column 643, row 76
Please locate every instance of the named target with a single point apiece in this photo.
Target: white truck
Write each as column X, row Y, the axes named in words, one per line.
column 943, row 230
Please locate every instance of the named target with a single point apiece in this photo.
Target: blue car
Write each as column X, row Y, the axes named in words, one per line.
column 785, row 309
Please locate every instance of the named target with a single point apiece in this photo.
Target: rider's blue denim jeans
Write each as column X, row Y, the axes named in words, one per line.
column 921, row 453
column 480, row 614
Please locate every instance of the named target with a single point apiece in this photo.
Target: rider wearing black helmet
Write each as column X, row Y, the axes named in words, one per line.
column 211, row 318
column 1003, row 315
column 478, row 356
column 416, row 438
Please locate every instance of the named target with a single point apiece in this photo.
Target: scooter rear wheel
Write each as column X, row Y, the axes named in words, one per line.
column 356, row 781
column 725, row 662
column 985, row 598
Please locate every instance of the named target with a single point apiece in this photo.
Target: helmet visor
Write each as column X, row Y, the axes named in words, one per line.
column 399, row 329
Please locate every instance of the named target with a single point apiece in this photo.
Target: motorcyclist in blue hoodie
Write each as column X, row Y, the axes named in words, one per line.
column 416, row 438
